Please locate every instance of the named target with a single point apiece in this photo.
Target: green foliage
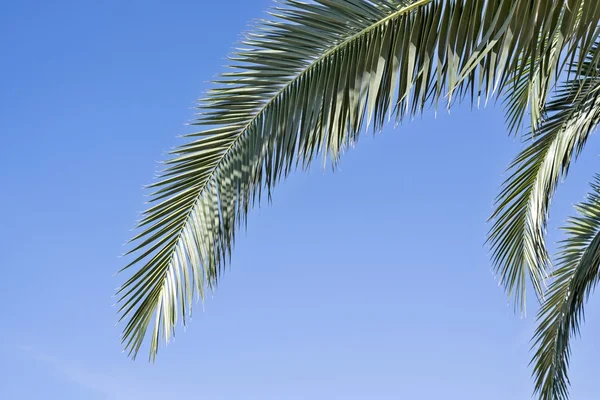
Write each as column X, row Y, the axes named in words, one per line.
column 572, row 116
column 518, row 234
column 561, row 315
column 310, row 79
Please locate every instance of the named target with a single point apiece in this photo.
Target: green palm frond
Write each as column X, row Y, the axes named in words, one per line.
column 517, row 236
column 560, row 316
column 306, row 83
column 527, row 88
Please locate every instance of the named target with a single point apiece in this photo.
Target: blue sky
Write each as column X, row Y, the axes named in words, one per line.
column 372, row 282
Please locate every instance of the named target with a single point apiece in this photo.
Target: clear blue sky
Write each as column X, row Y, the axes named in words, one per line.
column 370, row 283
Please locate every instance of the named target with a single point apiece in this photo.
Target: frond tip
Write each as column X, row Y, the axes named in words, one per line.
column 561, row 314
column 518, row 235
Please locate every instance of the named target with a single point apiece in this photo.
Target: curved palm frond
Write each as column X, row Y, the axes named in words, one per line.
column 560, row 316
column 305, row 84
column 517, row 236
column 527, row 88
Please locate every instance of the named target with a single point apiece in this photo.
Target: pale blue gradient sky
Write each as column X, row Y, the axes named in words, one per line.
column 370, row 283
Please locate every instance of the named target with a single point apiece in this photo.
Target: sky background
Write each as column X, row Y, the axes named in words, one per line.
column 369, row 283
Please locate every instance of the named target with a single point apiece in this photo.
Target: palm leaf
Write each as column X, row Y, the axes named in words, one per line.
column 518, row 233
column 306, row 83
column 562, row 313
column 528, row 87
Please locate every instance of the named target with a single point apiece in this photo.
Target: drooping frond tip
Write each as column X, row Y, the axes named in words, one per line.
column 518, row 234
column 562, row 313
column 306, row 83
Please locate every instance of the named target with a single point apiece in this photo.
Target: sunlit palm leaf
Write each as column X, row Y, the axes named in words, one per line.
column 518, row 234
column 562, row 313
column 527, row 88
column 305, row 83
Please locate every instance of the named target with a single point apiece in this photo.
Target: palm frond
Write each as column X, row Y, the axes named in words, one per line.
column 306, row 83
column 527, row 88
column 561, row 314
column 517, row 236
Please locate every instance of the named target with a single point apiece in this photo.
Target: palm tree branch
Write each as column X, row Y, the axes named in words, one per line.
column 517, row 236
column 561, row 314
column 305, row 84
